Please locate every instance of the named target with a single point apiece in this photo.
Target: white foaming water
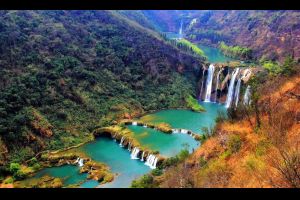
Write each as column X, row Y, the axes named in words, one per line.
column 184, row 131
column 134, row 123
column 209, row 81
column 175, row 131
column 151, row 161
column 122, row 140
column 135, row 153
column 231, row 88
column 142, row 159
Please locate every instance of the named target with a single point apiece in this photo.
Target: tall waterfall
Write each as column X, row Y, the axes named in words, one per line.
column 231, row 88
column 217, row 85
column 209, row 81
column 202, row 84
column 135, row 153
column 122, row 140
column 180, row 30
column 237, row 92
column 142, row 159
column 151, row 161
column 247, row 96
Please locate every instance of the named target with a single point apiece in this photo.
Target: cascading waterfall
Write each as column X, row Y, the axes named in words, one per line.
column 247, row 96
column 151, row 161
column 122, row 140
column 142, row 159
column 217, row 85
column 134, row 123
column 175, row 131
column 231, row 88
column 200, row 96
column 209, row 81
column 237, row 92
column 135, row 153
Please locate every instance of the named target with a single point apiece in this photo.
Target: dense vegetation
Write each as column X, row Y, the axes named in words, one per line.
column 63, row 73
column 236, row 51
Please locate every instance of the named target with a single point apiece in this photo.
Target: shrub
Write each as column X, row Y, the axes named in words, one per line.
column 156, row 172
column 14, row 167
column 234, row 143
column 145, row 181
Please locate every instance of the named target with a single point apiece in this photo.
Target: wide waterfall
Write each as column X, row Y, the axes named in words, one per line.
column 142, row 159
column 135, row 153
column 237, row 92
column 200, row 96
column 217, row 85
column 247, row 96
column 231, row 88
column 209, row 81
column 122, row 140
column 151, row 161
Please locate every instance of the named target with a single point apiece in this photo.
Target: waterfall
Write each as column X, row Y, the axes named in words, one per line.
column 151, row 161
column 145, row 126
column 122, row 140
column 129, row 146
column 180, row 30
column 135, row 153
column 134, row 123
column 184, row 131
column 175, row 130
column 142, row 159
column 217, row 85
column 247, row 96
column 231, row 88
column 209, row 81
column 202, row 84
column 79, row 161
column 237, row 92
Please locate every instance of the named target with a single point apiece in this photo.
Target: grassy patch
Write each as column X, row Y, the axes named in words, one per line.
column 193, row 104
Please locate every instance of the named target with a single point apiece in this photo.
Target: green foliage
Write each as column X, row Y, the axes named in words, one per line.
column 156, row 172
column 145, row 181
column 275, row 68
column 202, row 162
column 236, row 51
column 194, row 48
column 193, row 104
column 14, row 167
column 234, row 143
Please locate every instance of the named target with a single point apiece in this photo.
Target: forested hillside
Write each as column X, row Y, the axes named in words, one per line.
column 271, row 35
column 64, row 73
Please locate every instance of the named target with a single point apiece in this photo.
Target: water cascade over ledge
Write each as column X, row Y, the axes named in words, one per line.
column 151, row 161
column 209, row 81
column 231, row 88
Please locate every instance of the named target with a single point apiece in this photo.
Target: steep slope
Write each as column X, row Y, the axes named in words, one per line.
column 258, row 146
column 64, row 73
